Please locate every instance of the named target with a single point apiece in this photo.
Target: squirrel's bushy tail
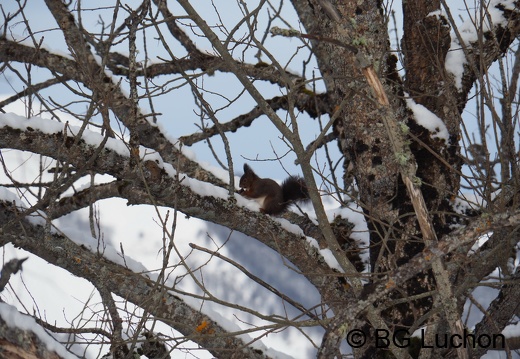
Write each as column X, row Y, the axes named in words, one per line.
column 294, row 189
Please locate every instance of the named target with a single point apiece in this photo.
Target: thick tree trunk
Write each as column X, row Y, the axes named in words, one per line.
column 364, row 139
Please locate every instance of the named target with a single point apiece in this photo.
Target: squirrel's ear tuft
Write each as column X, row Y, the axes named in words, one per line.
column 247, row 168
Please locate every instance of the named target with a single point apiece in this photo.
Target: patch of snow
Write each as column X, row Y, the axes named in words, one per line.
column 52, row 127
column 468, row 30
column 8, row 196
column 288, row 226
column 428, row 120
column 15, row 319
column 93, row 138
column 331, row 261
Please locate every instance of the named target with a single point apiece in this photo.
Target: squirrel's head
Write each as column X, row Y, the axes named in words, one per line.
column 246, row 181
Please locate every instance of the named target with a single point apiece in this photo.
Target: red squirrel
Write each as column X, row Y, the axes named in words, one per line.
column 273, row 198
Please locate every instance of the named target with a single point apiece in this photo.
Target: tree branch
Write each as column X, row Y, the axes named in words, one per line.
column 314, row 105
column 167, row 191
column 149, row 135
column 142, row 291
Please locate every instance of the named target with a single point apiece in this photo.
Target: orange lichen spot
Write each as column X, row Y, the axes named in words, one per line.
column 205, row 328
column 77, row 260
column 202, row 326
column 485, row 226
column 390, row 284
column 427, row 255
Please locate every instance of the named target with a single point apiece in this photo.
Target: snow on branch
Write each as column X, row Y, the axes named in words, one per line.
column 22, row 337
column 496, row 25
column 137, row 288
column 159, row 184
